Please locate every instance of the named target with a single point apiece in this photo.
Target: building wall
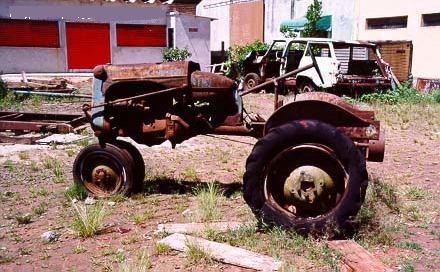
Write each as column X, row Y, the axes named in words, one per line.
column 37, row 59
column 426, row 40
column 193, row 33
column 220, row 26
column 247, row 22
column 342, row 11
column 275, row 11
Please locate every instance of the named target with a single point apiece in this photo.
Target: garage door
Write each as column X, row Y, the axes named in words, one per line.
column 88, row 45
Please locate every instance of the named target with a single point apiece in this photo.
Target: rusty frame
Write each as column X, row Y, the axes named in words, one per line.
column 25, row 122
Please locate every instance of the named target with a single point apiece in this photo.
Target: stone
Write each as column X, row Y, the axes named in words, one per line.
column 49, row 237
column 89, row 201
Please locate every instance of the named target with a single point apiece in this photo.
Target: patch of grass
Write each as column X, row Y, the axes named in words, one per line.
column 372, row 226
column 408, row 267
column 25, row 251
column 132, row 238
column 23, row 219
column 40, row 209
column 412, row 212
column 10, row 166
column 140, row 218
column 23, row 155
column 403, row 94
column 195, row 254
column 79, row 249
column 416, row 193
column 385, row 193
column 56, row 166
column 190, row 174
column 118, row 198
column 207, row 202
column 5, row 258
column 34, row 166
column 141, row 264
column 88, row 219
column 76, row 191
column 58, row 172
column 160, row 248
column 70, row 152
column 411, row 245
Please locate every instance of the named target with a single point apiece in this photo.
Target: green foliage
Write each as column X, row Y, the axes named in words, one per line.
column 287, row 32
column 403, row 94
column 313, row 15
column 175, row 54
column 238, row 53
column 76, row 191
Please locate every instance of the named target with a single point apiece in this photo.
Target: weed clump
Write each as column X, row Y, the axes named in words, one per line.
column 76, row 191
column 88, row 220
column 207, row 202
column 141, row 264
column 403, row 94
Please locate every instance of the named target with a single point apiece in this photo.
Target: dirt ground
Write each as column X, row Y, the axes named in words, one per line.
column 399, row 221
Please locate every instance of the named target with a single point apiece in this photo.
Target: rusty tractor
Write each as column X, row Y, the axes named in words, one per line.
column 306, row 172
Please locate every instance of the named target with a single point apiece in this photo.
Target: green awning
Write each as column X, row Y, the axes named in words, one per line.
column 324, row 24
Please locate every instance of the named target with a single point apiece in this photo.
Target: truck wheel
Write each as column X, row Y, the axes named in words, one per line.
column 251, row 80
column 305, row 175
column 104, row 171
column 139, row 164
column 306, row 87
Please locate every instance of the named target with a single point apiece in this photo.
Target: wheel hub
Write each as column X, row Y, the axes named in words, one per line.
column 104, row 176
column 307, row 185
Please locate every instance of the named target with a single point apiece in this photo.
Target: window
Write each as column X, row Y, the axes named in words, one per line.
column 141, row 35
column 29, row 33
column 432, row 19
column 387, row 23
column 170, row 37
column 319, row 50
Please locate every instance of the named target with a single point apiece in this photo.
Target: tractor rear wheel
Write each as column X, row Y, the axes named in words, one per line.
column 104, row 171
column 305, row 175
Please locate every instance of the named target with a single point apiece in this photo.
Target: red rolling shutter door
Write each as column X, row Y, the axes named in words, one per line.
column 29, row 33
column 88, row 45
column 141, row 35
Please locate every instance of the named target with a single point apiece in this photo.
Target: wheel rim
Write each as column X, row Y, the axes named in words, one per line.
column 306, row 88
column 305, row 180
column 102, row 173
column 251, row 83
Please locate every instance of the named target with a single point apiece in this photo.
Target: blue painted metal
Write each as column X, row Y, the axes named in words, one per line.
column 97, row 98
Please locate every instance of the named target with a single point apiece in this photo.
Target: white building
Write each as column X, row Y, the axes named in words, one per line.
column 76, row 35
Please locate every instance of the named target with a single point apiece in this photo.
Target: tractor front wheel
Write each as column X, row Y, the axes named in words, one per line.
column 104, row 170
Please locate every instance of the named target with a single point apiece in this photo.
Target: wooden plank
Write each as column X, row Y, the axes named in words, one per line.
column 223, row 252
column 357, row 259
column 198, row 227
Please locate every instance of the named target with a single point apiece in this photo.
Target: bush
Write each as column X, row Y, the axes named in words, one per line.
column 175, row 54
column 403, row 94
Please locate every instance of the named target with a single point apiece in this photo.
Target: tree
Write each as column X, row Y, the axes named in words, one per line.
column 313, row 15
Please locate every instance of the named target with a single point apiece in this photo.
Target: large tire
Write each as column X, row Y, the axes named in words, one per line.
column 274, row 155
column 251, row 80
column 139, row 164
column 104, row 171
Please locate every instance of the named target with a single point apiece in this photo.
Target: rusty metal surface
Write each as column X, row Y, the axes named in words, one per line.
column 21, row 122
column 166, row 75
